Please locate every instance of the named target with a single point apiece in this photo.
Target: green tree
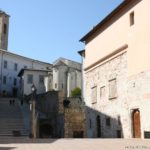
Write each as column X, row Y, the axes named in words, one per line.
column 76, row 92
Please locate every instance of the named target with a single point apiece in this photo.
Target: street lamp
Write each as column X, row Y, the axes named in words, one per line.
column 33, row 101
column 33, row 89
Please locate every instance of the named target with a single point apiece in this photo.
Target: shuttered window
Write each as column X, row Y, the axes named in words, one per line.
column 112, row 89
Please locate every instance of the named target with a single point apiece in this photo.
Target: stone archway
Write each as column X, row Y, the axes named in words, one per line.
column 136, row 123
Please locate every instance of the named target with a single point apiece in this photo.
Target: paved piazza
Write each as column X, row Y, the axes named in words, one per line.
column 74, row 144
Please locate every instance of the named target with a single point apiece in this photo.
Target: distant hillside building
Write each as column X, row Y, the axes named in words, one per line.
column 117, row 73
column 66, row 75
column 28, row 77
column 11, row 64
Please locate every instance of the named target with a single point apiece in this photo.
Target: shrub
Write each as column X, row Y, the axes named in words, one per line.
column 76, row 92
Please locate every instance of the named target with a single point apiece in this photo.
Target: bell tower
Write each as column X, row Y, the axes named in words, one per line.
column 4, row 28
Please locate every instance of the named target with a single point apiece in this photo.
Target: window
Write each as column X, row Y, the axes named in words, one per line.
column 108, row 121
column 131, row 18
column 94, row 94
column 25, row 67
column 41, row 79
column 112, row 89
column 30, row 79
column 5, row 64
column 55, row 85
column 4, row 79
column 102, row 92
column 146, row 134
column 15, row 67
column 118, row 133
column 5, row 28
column 119, row 120
column 15, row 81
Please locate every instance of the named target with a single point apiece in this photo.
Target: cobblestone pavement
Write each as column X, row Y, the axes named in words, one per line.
column 74, row 144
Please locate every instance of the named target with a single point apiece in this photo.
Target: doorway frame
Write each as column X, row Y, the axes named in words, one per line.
column 132, row 126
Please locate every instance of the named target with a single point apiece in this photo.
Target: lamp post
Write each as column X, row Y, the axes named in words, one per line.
column 33, row 101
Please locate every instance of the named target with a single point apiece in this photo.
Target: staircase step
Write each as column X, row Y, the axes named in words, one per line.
column 11, row 118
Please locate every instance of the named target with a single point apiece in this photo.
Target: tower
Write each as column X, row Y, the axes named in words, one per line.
column 4, row 27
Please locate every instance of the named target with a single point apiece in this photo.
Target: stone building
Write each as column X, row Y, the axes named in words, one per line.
column 66, row 76
column 28, row 77
column 18, row 74
column 117, row 73
column 63, row 75
column 10, row 66
column 74, row 118
column 58, row 117
column 11, row 63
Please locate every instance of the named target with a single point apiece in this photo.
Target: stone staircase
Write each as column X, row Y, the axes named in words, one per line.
column 12, row 121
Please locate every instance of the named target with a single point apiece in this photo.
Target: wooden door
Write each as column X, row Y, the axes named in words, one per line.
column 136, row 124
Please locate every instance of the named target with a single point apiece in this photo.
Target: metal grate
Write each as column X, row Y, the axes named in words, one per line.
column 147, row 134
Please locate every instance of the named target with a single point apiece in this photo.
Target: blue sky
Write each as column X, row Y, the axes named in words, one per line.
column 49, row 29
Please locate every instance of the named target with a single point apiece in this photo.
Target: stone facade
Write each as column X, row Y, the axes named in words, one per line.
column 116, row 73
column 74, row 119
column 139, row 98
column 49, row 121
column 36, row 78
column 66, row 75
column 54, row 120
column 100, row 77
column 133, row 93
column 14, row 65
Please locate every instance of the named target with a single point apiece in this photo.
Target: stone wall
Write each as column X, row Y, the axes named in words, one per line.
column 105, row 107
column 133, row 93
column 139, row 98
column 47, row 108
column 65, row 122
column 74, row 119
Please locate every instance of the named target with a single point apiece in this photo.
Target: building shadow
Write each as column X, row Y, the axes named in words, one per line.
column 100, row 125
column 25, row 141
column 82, row 121
column 7, row 148
column 57, row 119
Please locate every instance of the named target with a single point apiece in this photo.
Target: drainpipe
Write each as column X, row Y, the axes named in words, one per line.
column 82, row 80
column 66, row 91
column 68, row 84
column 82, row 54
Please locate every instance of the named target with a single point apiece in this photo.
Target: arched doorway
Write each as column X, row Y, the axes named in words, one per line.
column 136, row 123
column 45, row 131
column 98, row 122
